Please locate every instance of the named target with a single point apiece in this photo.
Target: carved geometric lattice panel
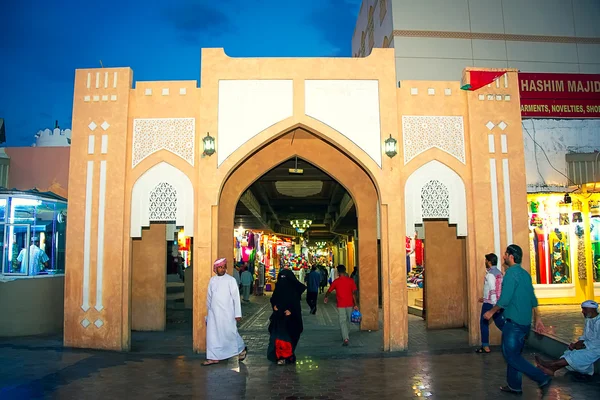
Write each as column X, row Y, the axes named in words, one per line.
column 163, row 203
column 173, row 134
column 435, row 200
column 421, row 133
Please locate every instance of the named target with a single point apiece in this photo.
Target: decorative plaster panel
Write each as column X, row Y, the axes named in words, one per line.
column 153, row 199
column 421, row 133
column 436, row 191
column 163, row 203
column 435, row 200
column 150, row 135
column 349, row 106
column 248, row 107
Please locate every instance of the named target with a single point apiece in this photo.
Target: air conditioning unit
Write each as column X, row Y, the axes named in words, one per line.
column 583, row 168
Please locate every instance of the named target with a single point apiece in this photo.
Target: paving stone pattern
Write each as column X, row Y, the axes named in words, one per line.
column 439, row 365
column 566, row 322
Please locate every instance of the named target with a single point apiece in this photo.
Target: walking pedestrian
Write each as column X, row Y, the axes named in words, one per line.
column 246, row 279
column 285, row 325
column 345, row 293
column 323, row 284
column 312, row 292
column 492, row 288
column 224, row 311
column 518, row 300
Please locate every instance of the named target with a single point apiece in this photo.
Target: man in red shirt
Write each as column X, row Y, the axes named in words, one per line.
column 345, row 294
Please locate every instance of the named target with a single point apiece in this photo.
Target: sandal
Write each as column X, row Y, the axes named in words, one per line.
column 482, row 350
column 508, row 389
column 243, row 354
column 209, row 362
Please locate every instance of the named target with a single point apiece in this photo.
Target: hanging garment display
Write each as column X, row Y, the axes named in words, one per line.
column 581, row 269
column 541, row 255
column 419, row 252
column 559, row 256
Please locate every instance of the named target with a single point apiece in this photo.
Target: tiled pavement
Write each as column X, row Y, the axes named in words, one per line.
column 566, row 322
column 438, row 366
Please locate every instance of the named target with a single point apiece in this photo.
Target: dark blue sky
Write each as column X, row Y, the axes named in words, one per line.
column 42, row 42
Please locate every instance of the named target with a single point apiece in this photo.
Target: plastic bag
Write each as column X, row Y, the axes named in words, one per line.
column 355, row 317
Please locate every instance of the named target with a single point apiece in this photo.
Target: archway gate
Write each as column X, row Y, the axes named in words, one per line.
column 340, row 110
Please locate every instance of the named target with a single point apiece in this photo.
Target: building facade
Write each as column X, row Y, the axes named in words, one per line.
column 437, row 39
column 143, row 156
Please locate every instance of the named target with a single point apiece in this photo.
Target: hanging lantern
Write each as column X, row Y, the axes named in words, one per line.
column 209, row 145
column 391, row 147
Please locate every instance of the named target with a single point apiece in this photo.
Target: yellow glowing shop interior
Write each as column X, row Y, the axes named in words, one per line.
column 564, row 244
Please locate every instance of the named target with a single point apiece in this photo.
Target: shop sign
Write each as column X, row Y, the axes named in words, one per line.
column 559, row 95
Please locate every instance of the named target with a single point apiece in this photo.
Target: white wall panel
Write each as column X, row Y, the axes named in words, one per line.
column 557, row 138
column 543, row 52
column 349, row 106
column 486, row 16
column 587, row 13
column 489, row 49
column 539, row 17
column 431, row 15
column 248, row 107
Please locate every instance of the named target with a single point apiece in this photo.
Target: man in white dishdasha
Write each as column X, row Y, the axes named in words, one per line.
column 224, row 311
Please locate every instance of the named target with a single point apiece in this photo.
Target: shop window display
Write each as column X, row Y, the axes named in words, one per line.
column 33, row 234
column 556, row 231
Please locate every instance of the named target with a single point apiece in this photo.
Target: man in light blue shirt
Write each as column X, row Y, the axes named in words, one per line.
column 37, row 258
column 518, row 300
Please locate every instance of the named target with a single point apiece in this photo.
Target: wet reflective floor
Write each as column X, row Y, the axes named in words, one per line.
column 438, row 365
column 51, row 374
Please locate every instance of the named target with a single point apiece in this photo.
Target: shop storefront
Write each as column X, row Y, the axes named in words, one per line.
column 32, row 228
column 33, row 236
column 560, row 119
column 564, row 243
column 263, row 254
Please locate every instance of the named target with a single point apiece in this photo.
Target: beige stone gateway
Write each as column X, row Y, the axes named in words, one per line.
column 459, row 171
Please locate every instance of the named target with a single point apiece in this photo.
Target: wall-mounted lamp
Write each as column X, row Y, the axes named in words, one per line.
column 209, row 145
column 391, row 147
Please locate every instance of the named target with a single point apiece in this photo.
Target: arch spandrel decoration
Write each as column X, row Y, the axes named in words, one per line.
column 436, row 191
column 163, row 193
column 150, row 135
column 421, row 133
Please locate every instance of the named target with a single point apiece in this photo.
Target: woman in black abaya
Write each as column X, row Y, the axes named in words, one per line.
column 286, row 321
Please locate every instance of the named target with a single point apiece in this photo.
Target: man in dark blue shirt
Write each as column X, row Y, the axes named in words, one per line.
column 313, row 281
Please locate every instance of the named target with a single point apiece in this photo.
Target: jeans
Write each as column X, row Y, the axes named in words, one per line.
column 513, row 341
column 344, row 314
column 311, row 300
column 484, row 324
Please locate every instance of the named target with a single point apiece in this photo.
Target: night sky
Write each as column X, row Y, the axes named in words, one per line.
column 42, row 42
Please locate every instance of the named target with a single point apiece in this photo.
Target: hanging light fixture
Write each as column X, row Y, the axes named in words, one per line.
column 391, row 147
column 209, row 145
column 301, row 225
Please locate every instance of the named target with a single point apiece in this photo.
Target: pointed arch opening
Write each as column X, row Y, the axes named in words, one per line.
column 327, row 160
